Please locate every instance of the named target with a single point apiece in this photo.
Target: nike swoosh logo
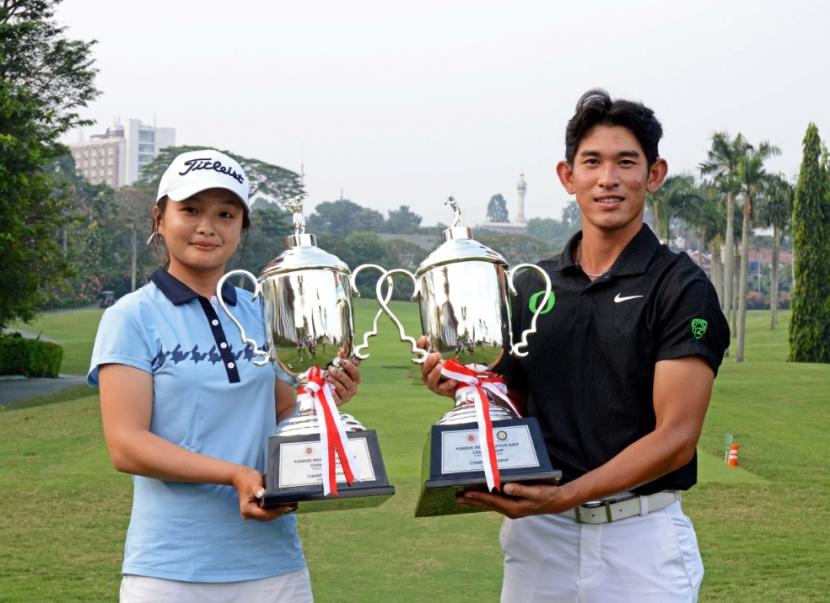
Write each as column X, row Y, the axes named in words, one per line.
column 619, row 299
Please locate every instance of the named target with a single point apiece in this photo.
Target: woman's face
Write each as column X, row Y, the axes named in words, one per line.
column 202, row 232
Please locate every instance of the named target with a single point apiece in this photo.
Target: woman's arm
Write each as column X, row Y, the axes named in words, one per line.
column 126, row 409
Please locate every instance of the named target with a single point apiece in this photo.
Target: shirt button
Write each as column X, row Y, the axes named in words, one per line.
column 214, row 322
column 231, row 365
column 223, row 345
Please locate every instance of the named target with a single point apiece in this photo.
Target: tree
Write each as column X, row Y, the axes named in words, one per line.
column 30, row 215
column 56, row 73
column 44, row 79
column 751, row 177
column 810, row 320
column 775, row 210
column 497, row 209
column 517, row 248
column 721, row 164
column 266, row 179
column 342, row 217
column 553, row 232
column 571, row 216
column 403, row 221
column 263, row 241
column 367, row 248
column 672, row 197
column 134, row 205
column 707, row 219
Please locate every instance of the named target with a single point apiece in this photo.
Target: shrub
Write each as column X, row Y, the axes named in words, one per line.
column 29, row 357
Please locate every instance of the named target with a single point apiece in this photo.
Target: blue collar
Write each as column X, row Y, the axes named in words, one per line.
column 179, row 293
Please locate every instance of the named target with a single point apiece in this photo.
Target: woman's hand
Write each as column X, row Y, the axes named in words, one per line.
column 344, row 379
column 431, row 373
column 250, row 486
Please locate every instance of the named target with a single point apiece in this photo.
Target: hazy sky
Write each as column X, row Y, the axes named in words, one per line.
column 406, row 103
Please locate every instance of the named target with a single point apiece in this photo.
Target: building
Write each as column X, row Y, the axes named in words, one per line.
column 519, row 225
column 117, row 156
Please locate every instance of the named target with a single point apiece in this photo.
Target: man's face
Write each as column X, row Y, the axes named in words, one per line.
column 610, row 177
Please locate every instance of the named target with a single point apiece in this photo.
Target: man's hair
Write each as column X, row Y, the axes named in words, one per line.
column 595, row 108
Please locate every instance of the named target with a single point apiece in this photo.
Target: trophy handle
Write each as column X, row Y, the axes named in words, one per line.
column 357, row 354
column 420, row 354
column 245, row 339
column 518, row 350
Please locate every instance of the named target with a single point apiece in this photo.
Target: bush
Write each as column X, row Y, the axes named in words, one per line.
column 29, row 357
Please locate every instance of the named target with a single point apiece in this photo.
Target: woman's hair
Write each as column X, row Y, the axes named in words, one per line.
column 595, row 108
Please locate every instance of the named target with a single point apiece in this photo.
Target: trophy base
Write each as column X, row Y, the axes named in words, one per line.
column 294, row 474
column 452, row 463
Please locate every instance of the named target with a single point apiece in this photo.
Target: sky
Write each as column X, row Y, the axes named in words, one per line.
column 405, row 103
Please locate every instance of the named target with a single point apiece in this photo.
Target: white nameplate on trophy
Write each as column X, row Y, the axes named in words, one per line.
column 461, row 450
column 301, row 463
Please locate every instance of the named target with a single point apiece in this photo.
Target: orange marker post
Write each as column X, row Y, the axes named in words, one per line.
column 733, row 455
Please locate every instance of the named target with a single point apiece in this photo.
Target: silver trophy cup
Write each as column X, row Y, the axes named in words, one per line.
column 463, row 290
column 306, row 296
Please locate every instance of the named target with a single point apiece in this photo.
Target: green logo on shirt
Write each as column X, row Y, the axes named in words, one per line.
column 534, row 302
column 699, row 327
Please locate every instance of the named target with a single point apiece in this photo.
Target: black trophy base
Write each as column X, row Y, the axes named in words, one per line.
column 452, row 463
column 294, row 474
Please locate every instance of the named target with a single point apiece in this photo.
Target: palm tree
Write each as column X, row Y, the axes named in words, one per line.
column 775, row 209
column 722, row 164
column 675, row 193
column 708, row 221
column 751, row 178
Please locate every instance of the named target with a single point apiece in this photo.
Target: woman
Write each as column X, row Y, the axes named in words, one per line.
column 188, row 414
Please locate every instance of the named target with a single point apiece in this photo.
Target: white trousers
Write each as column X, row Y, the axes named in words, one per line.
column 642, row 559
column 294, row 587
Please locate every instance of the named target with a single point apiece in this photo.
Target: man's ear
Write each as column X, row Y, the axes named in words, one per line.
column 566, row 176
column 656, row 174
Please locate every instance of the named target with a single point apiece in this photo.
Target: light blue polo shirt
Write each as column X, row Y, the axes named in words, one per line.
column 210, row 398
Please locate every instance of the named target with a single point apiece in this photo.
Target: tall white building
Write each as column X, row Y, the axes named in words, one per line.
column 117, row 156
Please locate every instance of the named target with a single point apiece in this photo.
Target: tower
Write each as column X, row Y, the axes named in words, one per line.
column 521, row 189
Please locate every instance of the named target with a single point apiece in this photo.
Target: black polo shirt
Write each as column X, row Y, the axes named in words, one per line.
column 590, row 369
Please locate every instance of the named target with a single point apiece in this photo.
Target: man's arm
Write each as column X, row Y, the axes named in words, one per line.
column 682, row 389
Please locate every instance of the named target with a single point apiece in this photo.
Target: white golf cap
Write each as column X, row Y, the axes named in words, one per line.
column 196, row 171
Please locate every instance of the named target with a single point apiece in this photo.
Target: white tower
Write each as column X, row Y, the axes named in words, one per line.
column 521, row 189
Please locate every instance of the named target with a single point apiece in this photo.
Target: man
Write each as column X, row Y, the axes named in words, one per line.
column 619, row 376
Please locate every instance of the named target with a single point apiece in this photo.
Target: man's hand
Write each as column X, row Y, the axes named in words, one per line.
column 519, row 500
column 344, row 379
column 431, row 373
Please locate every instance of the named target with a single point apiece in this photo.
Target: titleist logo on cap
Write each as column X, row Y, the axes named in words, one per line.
column 206, row 163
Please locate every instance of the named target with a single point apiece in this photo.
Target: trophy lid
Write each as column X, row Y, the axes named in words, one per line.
column 458, row 246
column 301, row 251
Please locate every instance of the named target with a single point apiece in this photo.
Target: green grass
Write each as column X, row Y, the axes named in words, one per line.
column 763, row 528
column 74, row 330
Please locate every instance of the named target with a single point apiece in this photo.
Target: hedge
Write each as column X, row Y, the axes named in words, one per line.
column 29, row 357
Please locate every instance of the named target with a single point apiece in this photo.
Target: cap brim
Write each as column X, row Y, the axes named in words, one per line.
column 187, row 191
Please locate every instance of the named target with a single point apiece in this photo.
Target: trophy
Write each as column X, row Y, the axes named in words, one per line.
column 462, row 288
column 318, row 455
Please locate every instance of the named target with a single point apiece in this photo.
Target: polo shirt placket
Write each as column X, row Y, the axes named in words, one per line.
column 178, row 293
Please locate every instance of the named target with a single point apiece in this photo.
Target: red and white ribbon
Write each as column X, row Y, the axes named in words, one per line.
column 333, row 438
column 477, row 381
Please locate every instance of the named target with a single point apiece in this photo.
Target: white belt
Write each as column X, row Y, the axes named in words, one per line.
column 606, row 511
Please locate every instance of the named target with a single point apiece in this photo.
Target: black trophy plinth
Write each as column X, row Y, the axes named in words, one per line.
column 294, row 474
column 452, row 462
